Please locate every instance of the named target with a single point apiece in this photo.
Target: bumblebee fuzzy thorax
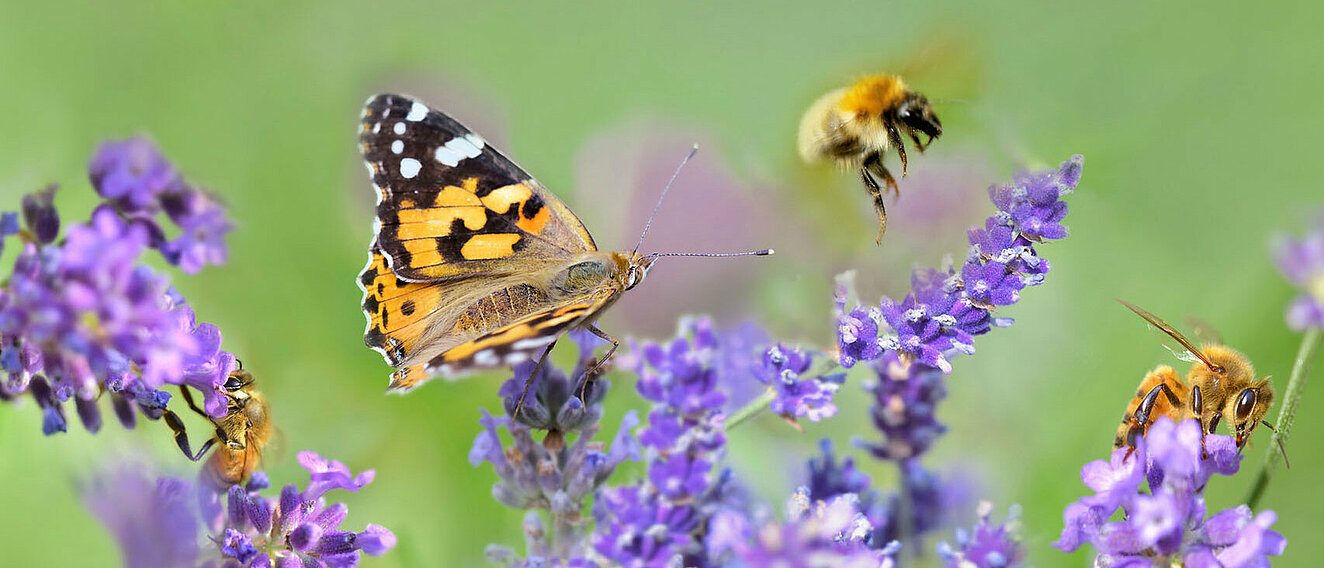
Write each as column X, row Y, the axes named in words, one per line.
column 871, row 97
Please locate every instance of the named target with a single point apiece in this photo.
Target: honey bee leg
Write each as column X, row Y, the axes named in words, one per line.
column 188, row 397
column 894, row 138
column 181, row 437
column 1142, row 415
column 529, row 382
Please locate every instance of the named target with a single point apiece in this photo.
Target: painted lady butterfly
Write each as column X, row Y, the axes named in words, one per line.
column 474, row 264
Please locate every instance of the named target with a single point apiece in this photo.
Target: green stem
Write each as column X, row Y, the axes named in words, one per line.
column 822, row 366
column 750, row 410
column 1296, row 384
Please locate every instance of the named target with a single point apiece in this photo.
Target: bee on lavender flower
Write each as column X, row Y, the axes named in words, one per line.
column 855, row 126
column 1221, row 383
column 241, row 435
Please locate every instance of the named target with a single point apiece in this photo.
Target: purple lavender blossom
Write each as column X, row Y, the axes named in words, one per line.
column 988, row 545
column 1302, row 262
column 816, row 534
column 796, row 396
column 946, row 308
column 1167, row 524
column 659, row 520
column 551, row 475
column 164, row 521
column 906, row 397
column 140, row 183
column 83, row 316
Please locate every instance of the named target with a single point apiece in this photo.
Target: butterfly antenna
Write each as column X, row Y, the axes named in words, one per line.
column 761, row 252
column 674, row 175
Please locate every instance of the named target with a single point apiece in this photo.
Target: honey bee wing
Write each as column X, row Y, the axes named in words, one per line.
column 1172, row 332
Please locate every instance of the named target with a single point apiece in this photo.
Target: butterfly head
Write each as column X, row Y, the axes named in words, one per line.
column 637, row 268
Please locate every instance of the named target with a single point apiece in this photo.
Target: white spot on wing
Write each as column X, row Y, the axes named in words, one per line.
column 464, row 147
column 399, row 128
column 531, row 342
column 476, row 140
column 409, row 167
column 417, row 112
column 447, row 156
column 398, row 146
column 516, row 357
column 485, row 358
column 376, row 127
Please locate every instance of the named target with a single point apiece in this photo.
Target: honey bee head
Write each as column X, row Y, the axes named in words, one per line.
column 916, row 113
column 238, row 387
column 1247, row 408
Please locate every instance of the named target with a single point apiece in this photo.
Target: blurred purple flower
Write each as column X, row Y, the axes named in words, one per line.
column 816, row 534
column 172, row 522
column 1168, row 524
column 1302, row 262
column 906, row 397
column 84, row 315
column 988, row 545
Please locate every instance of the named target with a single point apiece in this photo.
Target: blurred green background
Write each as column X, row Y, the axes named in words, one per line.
column 1199, row 123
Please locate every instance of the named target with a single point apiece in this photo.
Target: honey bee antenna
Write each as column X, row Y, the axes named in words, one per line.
column 762, row 252
column 1280, row 443
column 694, row 150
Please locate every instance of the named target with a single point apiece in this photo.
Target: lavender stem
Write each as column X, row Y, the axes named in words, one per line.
column 1296, row 385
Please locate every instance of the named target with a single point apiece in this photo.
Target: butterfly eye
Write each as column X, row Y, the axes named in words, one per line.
column 1245, row 403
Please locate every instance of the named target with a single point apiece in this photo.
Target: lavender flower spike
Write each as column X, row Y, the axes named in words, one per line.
column 794, row 397
column 816, row 535
column 988, row 545
column 172, row 522
column 1167, row 525
column 1302, row 262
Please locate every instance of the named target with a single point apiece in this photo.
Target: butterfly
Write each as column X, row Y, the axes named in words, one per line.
column 473, row 263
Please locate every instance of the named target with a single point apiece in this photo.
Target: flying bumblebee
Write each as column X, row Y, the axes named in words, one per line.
column 240, row 436
column 855, row 126
column 1221, row 383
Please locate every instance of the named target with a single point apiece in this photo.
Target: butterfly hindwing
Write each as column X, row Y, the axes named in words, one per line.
column 451, row 206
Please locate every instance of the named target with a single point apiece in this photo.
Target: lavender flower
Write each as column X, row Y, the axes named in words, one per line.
column 988, row 545
column 658, row 521
column 946, row 308
column 1302, row 262
column 171, row 522
column 83, row 316
column 810, row 397
column 816, row 534
column 552, row 476
column 1167, row 524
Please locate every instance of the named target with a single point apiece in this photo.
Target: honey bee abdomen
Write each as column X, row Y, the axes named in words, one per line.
column 1162, row 374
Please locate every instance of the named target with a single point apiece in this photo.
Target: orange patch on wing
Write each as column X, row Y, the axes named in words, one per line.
column 422, row 252
column 426, row 223
column 451, row 196
column 481, row 247
column 535, row 224
column 391, row 296
column 502, row 198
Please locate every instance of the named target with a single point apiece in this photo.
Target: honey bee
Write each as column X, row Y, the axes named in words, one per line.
column 855, row 126
column 240, row 436
column 1221, row 383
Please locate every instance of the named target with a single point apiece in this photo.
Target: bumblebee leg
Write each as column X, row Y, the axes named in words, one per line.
column 529, row 382
column 181, row 437
column 921, row 146
column 873, row 166
column 894, row 138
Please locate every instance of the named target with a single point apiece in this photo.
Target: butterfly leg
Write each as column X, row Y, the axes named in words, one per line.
column 529, row 382
column 592, row 371
column 871, row 169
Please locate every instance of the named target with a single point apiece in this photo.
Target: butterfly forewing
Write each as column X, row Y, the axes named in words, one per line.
column 451, row 206
column 466, row 247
